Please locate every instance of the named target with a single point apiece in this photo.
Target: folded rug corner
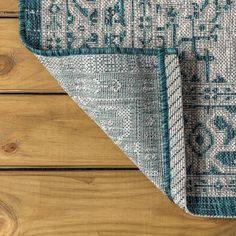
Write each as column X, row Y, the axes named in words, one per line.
column 158, row 76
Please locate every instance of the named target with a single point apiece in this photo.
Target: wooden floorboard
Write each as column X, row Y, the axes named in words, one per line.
column 95, row 203
column 8, row 8
column 20, row 71
column 51, row 130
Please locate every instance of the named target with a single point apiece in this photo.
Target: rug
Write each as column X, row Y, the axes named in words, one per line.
column 158, row 77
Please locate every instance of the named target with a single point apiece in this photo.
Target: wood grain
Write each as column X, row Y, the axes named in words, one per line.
column 95, row 203
column 51, row 130
column 8, row 8
column 19, row 68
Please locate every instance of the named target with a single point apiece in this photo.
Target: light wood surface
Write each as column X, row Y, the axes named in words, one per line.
column 95, row 203
column 51, row 130
column 19, row 68
column 8, row 8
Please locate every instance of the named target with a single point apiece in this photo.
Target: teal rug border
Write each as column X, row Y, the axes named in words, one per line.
column 160, row 66
column 212, row 206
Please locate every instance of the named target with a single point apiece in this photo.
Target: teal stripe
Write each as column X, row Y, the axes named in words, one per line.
column 212, row 206
column 165, row 124
column 31, row 21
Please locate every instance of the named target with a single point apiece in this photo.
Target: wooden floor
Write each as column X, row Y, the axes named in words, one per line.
column 60, row 174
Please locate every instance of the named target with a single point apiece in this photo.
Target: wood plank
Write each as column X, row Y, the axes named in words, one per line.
column 51, row 130
column 19, row 68
column 8, row 8
column 95, row 203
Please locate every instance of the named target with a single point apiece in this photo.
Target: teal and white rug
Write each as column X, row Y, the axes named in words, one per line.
column 159, row 77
